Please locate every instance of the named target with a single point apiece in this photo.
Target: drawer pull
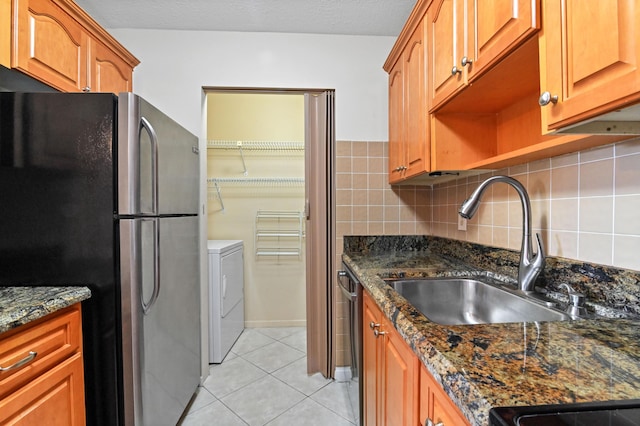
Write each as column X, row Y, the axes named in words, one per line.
column 32, row 355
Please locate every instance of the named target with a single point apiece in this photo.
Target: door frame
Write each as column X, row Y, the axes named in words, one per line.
column 320, row 220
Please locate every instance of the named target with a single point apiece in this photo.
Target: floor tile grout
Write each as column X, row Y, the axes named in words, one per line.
column 265, row 371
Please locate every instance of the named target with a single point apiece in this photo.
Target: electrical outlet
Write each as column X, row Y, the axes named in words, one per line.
column 462, row 223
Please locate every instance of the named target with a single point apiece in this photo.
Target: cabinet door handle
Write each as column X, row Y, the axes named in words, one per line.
column 32, row 355
column 546, row 99
column 378, row 333
column 373, row 325
column 455, row 70
column 86, row 89
column 429, row 422
column 466, row 61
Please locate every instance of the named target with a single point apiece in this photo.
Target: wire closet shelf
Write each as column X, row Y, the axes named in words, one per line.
column 215, row 184
column 256, row 145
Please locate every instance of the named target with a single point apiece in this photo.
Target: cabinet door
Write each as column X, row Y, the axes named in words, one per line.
column 416, row 124
column 49, row 45
column 53, row 338
column 424, row 407
column 5, row 33
column 370, row 362
column 446, row 36
column 55, row 398
column 445, row 412
column 590, row 59
column 499, row 27
column 436, row 405
column 396, row 122
column 109, row 73
column 399, row 374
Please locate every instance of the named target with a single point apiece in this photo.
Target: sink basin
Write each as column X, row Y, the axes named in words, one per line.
column 456, row 301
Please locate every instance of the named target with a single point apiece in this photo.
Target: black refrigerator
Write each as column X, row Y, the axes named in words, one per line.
column 101, row 190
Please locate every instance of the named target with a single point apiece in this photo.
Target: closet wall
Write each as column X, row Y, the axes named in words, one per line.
column 255, row 170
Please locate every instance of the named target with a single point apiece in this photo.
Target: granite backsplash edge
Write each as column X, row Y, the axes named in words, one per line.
column 610, row 291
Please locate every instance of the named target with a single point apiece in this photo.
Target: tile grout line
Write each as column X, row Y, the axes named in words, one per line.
column 313, row 390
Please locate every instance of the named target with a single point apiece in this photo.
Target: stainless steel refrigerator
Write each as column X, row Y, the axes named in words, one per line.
column 102, row 191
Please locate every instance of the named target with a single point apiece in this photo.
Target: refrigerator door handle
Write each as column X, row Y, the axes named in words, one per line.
column 144, row 124
column 146, row 306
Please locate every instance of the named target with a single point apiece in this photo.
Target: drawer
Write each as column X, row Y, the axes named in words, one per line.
column 57, row 396
column 53, row 338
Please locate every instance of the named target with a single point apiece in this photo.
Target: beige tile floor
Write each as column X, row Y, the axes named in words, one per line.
column 263, row 381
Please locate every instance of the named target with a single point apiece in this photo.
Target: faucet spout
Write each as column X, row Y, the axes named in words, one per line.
column 530, row 264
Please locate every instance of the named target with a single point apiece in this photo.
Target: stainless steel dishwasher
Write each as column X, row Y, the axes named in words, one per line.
column 352, row 292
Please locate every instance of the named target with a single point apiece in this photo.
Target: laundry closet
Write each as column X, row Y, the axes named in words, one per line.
column 256, row 193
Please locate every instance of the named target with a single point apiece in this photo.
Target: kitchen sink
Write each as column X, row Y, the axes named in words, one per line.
column 457, row 301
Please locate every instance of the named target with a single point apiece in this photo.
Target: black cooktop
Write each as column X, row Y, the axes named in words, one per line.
column 609, row 413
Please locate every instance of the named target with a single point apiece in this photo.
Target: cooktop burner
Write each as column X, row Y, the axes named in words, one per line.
column 611, row 413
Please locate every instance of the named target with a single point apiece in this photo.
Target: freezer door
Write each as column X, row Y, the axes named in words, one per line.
column 161, row 317
column 158, row 166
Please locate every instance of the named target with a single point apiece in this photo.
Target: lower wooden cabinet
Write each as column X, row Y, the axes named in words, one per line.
column 435, row 405
column 390, row 372
column 398, row 391
column 399, row 373
column 46, row 386
column 56, row 396
column 371, row 361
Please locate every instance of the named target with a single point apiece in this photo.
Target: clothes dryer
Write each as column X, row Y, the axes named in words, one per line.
column 226, row 296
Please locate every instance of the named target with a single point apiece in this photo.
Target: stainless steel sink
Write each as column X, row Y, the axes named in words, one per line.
column 456, row 301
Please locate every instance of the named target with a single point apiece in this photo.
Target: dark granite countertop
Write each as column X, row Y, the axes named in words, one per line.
column 21, row 305
column 493, row 365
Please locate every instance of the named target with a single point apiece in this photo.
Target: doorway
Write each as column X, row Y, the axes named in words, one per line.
column 270, row 183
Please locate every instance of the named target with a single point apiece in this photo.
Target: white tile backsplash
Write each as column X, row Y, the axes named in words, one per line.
column 586, row 205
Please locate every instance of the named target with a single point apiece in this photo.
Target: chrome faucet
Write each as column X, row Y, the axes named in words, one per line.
column 530, row 265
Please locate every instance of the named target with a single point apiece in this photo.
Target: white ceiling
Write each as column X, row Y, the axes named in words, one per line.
column 348, row 17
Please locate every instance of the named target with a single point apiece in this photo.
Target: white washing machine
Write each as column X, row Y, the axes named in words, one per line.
column 226, row 296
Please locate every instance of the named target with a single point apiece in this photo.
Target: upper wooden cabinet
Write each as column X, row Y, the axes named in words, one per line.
column 590, row 58
column 5, row 33
column 447, row 34
column 500, row 26
column 408, row 125
column 49, row 45
column 486, row 64
column 57, row 43
column 396, row 122
column 109, row 72
column 415, row 101
column 466, row 37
